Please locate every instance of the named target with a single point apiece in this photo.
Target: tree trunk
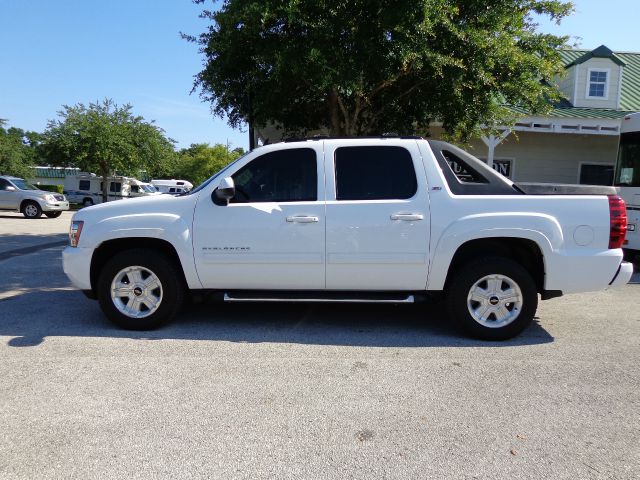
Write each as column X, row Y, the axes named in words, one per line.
column 105, row 184
column 334, row 114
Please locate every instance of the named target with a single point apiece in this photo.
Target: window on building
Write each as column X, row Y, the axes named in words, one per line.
column 284, row 176
column 593, row 174
column 374, row 173
column 598, row 82
column 84, row 185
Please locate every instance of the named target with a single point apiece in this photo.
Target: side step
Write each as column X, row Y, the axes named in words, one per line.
column 327, row 297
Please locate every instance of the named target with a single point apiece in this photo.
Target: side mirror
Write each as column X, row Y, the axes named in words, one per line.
column 10, row 188
column 226, row 191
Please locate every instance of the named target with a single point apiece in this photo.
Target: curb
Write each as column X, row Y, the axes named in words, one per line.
column 32, row 249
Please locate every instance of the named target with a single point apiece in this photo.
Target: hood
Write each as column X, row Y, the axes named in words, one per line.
column 151, row 204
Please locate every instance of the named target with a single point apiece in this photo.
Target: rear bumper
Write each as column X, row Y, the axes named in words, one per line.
column 623, row 275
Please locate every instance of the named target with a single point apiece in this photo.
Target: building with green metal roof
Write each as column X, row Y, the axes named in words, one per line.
column 577, row 142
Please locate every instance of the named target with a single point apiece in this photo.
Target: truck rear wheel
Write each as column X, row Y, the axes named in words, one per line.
column 493, row 298
column 140, row 289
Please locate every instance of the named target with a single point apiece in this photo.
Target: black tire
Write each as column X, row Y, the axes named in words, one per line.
column 466, row 277
column 31, row 209
column 87, row 202
column 171, row 284
column 53, row 214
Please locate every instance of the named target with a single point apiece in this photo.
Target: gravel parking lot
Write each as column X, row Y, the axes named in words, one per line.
column 307, row 391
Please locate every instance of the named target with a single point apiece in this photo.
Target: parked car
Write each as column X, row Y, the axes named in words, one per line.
column 18, row 195
column 377, row 220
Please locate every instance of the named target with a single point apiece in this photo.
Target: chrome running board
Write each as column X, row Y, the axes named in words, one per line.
column 319, row 299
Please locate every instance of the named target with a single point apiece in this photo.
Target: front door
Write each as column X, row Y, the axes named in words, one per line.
column 271, row 234
column 377, row 216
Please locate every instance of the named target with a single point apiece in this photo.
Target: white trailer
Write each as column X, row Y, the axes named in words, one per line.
column 172, row 186
column 627, row 179
column 86, row 188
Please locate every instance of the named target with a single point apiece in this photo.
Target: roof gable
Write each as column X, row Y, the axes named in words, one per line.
column 601, row 52
column 630, row 88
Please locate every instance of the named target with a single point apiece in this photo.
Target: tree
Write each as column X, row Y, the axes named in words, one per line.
column 200, row 161
column 106, row 138
column 363, row 67
column 17, row 151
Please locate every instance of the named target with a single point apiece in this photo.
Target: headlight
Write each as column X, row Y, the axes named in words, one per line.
column 49, row 198
column 74, row 232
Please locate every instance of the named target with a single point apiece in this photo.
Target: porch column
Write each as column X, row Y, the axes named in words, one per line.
column 492, row 141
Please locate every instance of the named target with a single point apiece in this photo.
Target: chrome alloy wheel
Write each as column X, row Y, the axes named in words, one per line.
column 495, row 301
column 136, row 292
column 31, row 210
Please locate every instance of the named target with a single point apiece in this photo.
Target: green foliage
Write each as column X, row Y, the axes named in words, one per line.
column 17, row 151
column 200, row 161
column 50, row 188
column 363, row 68
column 105, row 138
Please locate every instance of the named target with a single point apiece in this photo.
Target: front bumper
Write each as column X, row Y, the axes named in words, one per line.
column 76, row 262
column 623, row 275
column 54, row 207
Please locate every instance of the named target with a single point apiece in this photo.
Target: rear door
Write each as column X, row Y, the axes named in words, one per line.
column 377, row 216
column 8, row 199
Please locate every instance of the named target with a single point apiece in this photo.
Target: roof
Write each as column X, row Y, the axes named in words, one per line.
column 578, row 112
column 600, row 52
column 630, row 96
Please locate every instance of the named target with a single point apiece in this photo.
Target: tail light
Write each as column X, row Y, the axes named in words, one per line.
column 617, row 221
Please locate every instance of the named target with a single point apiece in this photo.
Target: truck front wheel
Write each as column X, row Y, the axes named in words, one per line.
column 140, row 289
column 493, row 298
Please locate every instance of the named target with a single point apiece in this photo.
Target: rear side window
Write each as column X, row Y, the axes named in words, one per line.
column 374, row 173
column 84, row 185
column 462, row 170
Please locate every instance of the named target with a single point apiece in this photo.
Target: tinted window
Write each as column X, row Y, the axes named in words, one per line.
column 374, row 173
column 115, row 187
column 4, row 184
column 283, row 176
column 135, row 189
column 84, row 185
column 596, row 174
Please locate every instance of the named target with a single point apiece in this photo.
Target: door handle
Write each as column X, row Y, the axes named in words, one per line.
column 408, row 217
column 302, row 219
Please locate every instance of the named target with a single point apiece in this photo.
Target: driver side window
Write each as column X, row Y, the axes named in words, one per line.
column 283, row 176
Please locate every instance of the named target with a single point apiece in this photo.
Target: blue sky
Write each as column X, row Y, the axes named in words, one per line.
column 69, row 51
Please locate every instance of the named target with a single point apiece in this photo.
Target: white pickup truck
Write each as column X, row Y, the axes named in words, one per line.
column 378, row 219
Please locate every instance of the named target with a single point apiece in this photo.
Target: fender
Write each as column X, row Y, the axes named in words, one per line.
column 165, row 226
column 542, row 229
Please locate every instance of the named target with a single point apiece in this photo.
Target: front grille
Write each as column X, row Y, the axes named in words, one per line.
column 59, row 198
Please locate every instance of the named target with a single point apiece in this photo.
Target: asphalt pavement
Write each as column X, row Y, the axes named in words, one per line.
column 311, row 391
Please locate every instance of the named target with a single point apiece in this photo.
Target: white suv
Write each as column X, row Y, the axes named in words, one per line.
column 18, row 195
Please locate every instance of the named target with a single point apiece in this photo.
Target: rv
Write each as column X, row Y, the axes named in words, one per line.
column 172, row 186
column 86, row 188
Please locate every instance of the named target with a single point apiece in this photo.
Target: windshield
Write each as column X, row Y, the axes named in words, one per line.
column 149, row 188
column 628, row 166
column 22, row 185
column 214, row 176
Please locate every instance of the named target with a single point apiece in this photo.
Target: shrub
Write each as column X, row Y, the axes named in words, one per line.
column 51, row 188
